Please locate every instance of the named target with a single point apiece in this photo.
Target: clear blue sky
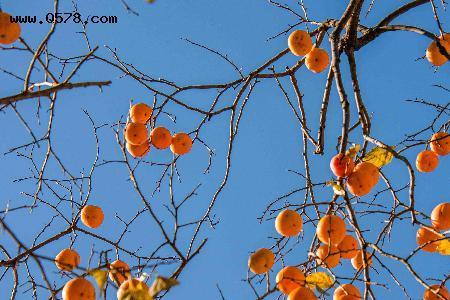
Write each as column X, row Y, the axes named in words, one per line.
column 268, row 145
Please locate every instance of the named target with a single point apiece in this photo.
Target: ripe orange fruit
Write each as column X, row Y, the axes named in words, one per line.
column 370, row 169
column 119, row 271
column 161, row 138
column 440, row 216
column 331, row 230
column 181, row 143
column 425, row 235
column 427, row 161
column 441, row 290
column 288, row 223
column 348, row 247
column 328, row 256
column 434, row 55
column 140, row 113
column 92, row 216
column 67, row 260
column 9, row 32
column 440, row 143
column 78, row 289
column 317, row 60
column 363, row 179
column 346, row 290
column 300, row 42
column 261, row 261
column 290, row 278
column 133, row 289
column 136, row 133
column 358, row 261
column 342, row 165
column 138, row 150
column 302, row 293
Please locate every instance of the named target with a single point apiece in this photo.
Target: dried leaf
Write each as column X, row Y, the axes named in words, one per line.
column 100, row 278
column 322, row 281
column 444, row 247
column 161, row 284
column 379, row 156
column 136, row 292
column 337, row 188
column 353, row 150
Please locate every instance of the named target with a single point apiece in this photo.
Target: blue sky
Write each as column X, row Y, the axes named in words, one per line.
column 269, row 142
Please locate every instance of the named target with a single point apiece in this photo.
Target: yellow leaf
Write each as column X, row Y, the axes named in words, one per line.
column 162, row 283
column 379, row 156
column 136, row 292
column 444, row 247
column 337, row 188
column 353, row 150
column 322, row 281
column 100, row 278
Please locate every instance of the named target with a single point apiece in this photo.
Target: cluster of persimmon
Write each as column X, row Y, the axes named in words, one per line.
column 435, row 55
column 119, row 272
column 68, row 259
column 336, row 244
column 80, row 288
column 91, row 216
column 428, row 160
column 360, row 179
column 300, row 44
column 429, row 239
column 9, row 31
column 139, row 141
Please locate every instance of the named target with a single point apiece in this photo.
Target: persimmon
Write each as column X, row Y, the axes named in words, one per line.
column 358, row 261
column 427, row 236
column 288, row 223
column 140, row 113
column 67, row 260
column 434, row 55
column 300, row 42
column 9, row 31
column 133, row 289
column 370, row 169
column 92, row 216
column 119, row 271
column 78, row 289
column 331, row 230
column 427, row 161
column 440, row 216
column 348, row 247
column 302, row 293
column 181, row 143
column 138, row 150
column 161, row 138
column 440, row 143
column 317, row 60
column 136, row 133
column 346, row 290
column 441, row 290
column 363, row 179
column 290, row 278
column 261, row 261
column 328, row 256
column 342, row 165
